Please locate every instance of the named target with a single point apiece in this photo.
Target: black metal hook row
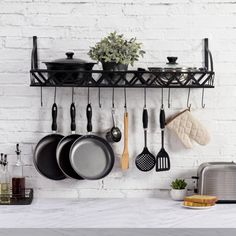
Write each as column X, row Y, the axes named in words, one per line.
column 203, row 105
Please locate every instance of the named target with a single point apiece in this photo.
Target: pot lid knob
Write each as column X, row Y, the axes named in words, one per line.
column 69, row 55
column 172, row 60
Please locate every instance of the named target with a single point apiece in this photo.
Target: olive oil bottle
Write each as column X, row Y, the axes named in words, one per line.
column 5, row 183
column 1, row 169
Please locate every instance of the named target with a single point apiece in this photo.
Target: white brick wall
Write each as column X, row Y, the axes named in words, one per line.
column 166, row 27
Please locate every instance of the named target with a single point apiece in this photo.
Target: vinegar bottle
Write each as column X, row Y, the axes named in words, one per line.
column 18, row 179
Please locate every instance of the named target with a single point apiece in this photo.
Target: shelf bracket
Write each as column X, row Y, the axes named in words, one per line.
column 207, row 55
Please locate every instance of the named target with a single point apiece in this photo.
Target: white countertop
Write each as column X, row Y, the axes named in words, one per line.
column 115, row 213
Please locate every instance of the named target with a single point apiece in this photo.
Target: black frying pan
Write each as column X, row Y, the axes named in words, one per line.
column 45, row 159
column 91, row 156
column 63, row 148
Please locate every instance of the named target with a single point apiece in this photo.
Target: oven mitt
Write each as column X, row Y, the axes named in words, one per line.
column 188, row 128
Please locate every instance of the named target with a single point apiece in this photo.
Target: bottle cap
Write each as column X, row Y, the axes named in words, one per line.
column 5, row 160
column 18, row 151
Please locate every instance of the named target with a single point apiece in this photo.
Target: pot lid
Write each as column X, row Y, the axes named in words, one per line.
column 69, row 60
column 172, row 65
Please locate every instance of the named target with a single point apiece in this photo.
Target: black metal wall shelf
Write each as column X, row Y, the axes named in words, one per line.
column 201, row 78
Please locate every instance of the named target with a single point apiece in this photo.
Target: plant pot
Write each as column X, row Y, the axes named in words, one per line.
column 178, row 194
column 115, row 77
column 113, row 66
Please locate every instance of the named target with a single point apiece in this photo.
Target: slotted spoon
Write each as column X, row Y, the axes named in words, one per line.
column 145, row 161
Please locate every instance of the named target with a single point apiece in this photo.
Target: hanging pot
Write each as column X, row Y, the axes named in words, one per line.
column 172, row 67
column 67, row 64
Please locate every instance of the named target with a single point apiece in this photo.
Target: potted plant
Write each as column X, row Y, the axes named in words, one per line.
column 179, row 190
column 115, row 52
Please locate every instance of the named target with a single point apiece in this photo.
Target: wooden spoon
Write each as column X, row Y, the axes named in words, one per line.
column 125, row 155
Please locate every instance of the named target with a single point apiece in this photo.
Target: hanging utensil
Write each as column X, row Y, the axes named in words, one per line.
column 44, row 158
column 125, row 155
column 162, row 158
column 91, row 156
column 114, row 135
column 145, row 161
column 63, row 148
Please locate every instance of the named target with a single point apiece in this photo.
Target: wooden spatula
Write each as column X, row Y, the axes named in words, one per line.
column 125, row 155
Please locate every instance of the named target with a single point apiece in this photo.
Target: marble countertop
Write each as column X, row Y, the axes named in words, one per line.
column 115, row 213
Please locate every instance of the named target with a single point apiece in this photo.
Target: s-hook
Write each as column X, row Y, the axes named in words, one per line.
column 203, row 104
column 188, row 105
column 162, row 100
column 55, row 94
column 169, row 98
column 99, row 97
column 88, row 96
column 72, row 94
column 145, row 98
column 113, row 98
column 41, row 96
column 125, row 106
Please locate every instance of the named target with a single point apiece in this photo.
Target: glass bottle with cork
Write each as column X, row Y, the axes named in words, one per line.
column 18, row 179
column 5, row 183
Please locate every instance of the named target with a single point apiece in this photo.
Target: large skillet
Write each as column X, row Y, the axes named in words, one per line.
column 45, row 152
column 63, row 148
column 91, row 156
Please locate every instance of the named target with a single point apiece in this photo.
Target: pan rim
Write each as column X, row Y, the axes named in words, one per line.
column 58, row 156
column 34, row 154
column 108, row 149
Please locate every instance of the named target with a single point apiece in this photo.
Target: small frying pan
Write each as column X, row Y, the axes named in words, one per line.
column 45, row 159
column 63, row 148
column 91, row 156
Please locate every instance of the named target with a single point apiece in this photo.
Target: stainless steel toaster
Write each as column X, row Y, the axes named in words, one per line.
column 217, row 179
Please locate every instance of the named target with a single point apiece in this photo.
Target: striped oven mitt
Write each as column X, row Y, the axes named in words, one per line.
column 188, row 128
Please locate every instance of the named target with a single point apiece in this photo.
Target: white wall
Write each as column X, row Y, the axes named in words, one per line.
column 167, row 27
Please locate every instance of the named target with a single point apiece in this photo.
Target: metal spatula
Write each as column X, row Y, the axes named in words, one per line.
column 145, row 161
column 162, row 158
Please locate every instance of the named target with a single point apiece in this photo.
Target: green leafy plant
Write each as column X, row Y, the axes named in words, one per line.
column 115, row 48
column 179, row 184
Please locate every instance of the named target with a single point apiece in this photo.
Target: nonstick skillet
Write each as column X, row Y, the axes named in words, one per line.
column 91, row 156
column 45, row 152
column 63, row 148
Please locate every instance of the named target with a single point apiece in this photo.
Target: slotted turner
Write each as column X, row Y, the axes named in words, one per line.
column 162, row 158
column 145, row 161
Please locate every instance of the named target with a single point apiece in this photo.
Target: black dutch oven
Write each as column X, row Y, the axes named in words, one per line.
column 74, row 65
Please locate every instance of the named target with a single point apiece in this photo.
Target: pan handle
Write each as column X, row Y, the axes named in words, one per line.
column 89, row 118
column 72, row 115
column 54, row 117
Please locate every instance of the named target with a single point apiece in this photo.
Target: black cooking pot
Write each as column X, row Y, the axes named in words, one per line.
column 58, row 69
